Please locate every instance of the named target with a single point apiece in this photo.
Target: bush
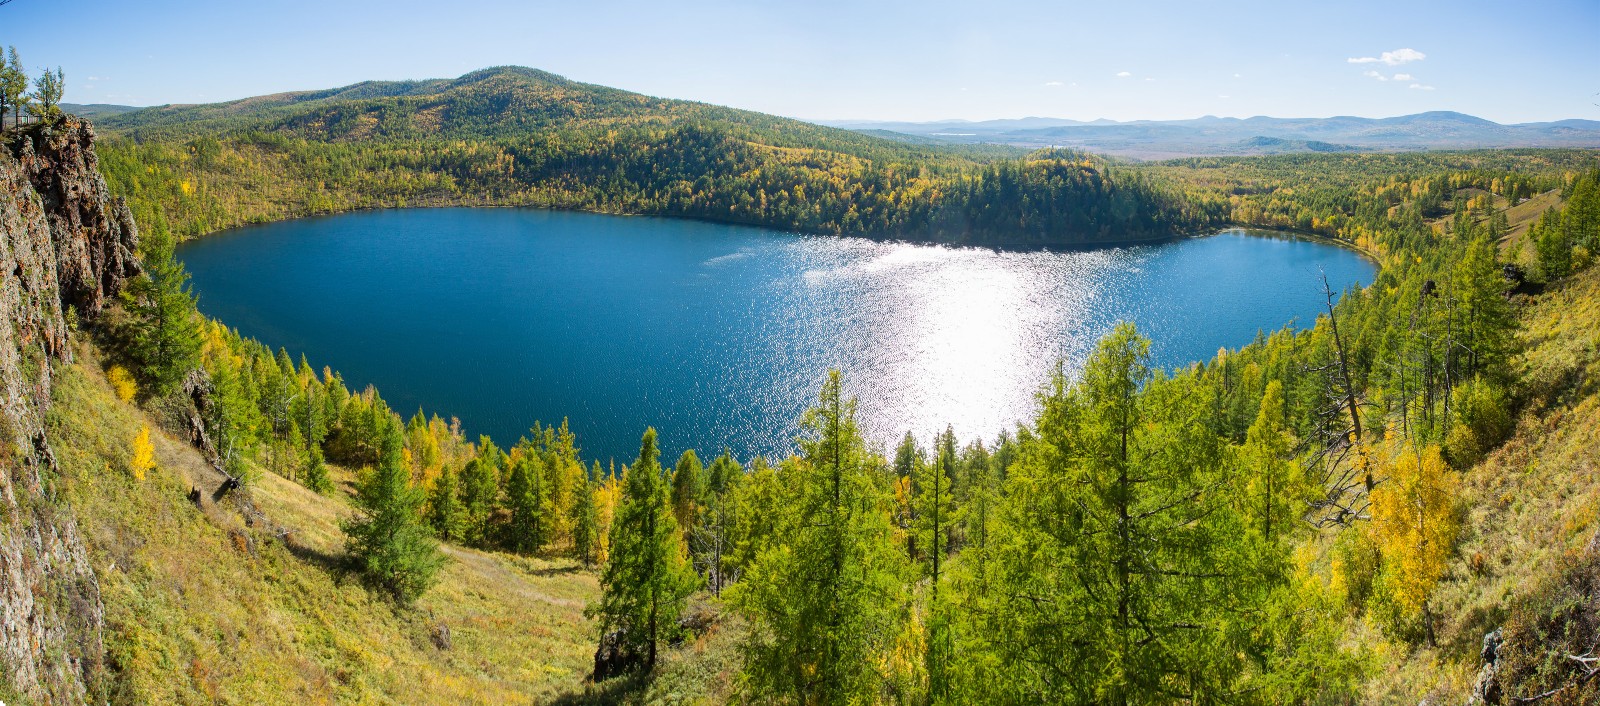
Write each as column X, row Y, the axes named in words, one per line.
column 122, row 382
column 1483, row 422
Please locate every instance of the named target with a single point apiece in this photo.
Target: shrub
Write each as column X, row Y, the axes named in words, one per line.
column 122, row 382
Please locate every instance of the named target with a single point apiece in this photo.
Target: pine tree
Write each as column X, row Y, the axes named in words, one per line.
column 480, row 493
column 646, row 583
column 935, row 517
column 688, row 490
column 526, row 532
column 712, row 541
column 316, row 470
column 165, row 338
column 14, row 85
column 585, row 518
column 231, row 417
column 445, row 514
column 387, row 537
column 1275, row 493
column 47, row 91
column 827, row 600
column 1122, row 564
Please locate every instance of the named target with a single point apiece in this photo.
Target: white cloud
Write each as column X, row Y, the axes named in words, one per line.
column 1221, row 96
column 1124, row 74
column 1421, row 87
column 1149, row 79
column 1376, row 75
column 1054, row 84
column 1403, row 77
column 1392, row 58
column 1237, row 76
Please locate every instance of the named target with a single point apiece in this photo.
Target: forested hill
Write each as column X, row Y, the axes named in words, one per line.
column 518, row 136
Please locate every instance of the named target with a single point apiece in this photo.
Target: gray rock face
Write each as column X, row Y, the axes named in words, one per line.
column 63, row 242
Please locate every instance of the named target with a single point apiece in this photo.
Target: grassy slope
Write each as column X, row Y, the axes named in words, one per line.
column 1532, row 507
column 207, row 607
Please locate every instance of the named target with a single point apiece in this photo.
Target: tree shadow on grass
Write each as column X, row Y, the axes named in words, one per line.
column 341, row 566
column 553, row 571
column 609, row 692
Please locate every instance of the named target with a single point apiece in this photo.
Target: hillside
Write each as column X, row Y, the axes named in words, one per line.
column 1210, row 135
column 517, row 136
column 174, row 522
column 249, row 600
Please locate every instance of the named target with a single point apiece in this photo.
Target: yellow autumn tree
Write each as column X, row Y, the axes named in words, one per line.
column 122, row 383
column 1414, row 527
column 144, row 454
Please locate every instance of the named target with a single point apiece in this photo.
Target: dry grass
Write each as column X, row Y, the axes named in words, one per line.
column 210, row 605
column 1532, row 506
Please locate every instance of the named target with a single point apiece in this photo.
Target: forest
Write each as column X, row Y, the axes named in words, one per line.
column 1256, row 528
column 520, row 137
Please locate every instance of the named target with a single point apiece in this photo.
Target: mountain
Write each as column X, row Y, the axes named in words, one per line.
column 520, row 136
column 97, row 110
column 1212, row 135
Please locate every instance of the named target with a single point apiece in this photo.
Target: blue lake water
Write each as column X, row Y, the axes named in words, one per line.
column 719, row 335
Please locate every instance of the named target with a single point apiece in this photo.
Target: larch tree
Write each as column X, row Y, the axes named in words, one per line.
column 935, row 516
column 1415, row 525
column 526, row 531
column 387, row 536
column 688, row 491
column 646, row 582
column 480, row 492
column 585, row 518
column 827, row 600
column 165, row 338
column 444, row 506
column 1117, row 577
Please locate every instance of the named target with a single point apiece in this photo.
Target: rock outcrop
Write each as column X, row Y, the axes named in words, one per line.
column 64, row 243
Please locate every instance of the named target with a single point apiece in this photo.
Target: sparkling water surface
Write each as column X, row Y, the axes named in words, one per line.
column 718, row 335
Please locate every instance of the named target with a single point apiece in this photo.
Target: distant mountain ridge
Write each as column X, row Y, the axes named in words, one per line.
column 518, row 136
column 1211, row 135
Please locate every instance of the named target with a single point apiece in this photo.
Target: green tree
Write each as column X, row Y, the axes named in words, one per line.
column 1118, row 577
column 387, row 536
column 585, row 517
column 13, row 87
column 47, row 90
column 527, row 531
column 1487, row 319
column 711, row 541
column 646, row 582
column 445, row 514
column 316, row 470
column 826, row 601
column 164, row 340
column 480, row 493
column 231, row 417
column 1275, row 494
column 935, row 502
column 688, row 492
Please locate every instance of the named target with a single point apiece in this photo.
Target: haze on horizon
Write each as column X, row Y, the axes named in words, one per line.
column 832, row 60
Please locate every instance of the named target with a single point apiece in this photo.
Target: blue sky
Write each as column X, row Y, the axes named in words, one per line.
column 1509, row 61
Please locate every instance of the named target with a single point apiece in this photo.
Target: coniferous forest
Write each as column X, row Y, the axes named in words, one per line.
column 1333, row 514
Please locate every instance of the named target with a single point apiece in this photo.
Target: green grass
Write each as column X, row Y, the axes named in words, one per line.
column 204, row 606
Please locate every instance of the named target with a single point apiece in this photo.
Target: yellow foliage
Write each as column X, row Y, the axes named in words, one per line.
column 144, row 454
column 122, row 383
column 188, row 187
column 1415, row 524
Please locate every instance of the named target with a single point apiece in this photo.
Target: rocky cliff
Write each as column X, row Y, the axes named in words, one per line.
column 65, row 246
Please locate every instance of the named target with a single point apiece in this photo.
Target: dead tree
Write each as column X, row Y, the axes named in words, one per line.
column 1339, row 459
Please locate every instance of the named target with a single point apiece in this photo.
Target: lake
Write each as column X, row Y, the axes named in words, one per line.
column 719, row 335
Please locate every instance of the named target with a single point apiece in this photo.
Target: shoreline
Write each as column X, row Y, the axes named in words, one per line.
column 1001, row 246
